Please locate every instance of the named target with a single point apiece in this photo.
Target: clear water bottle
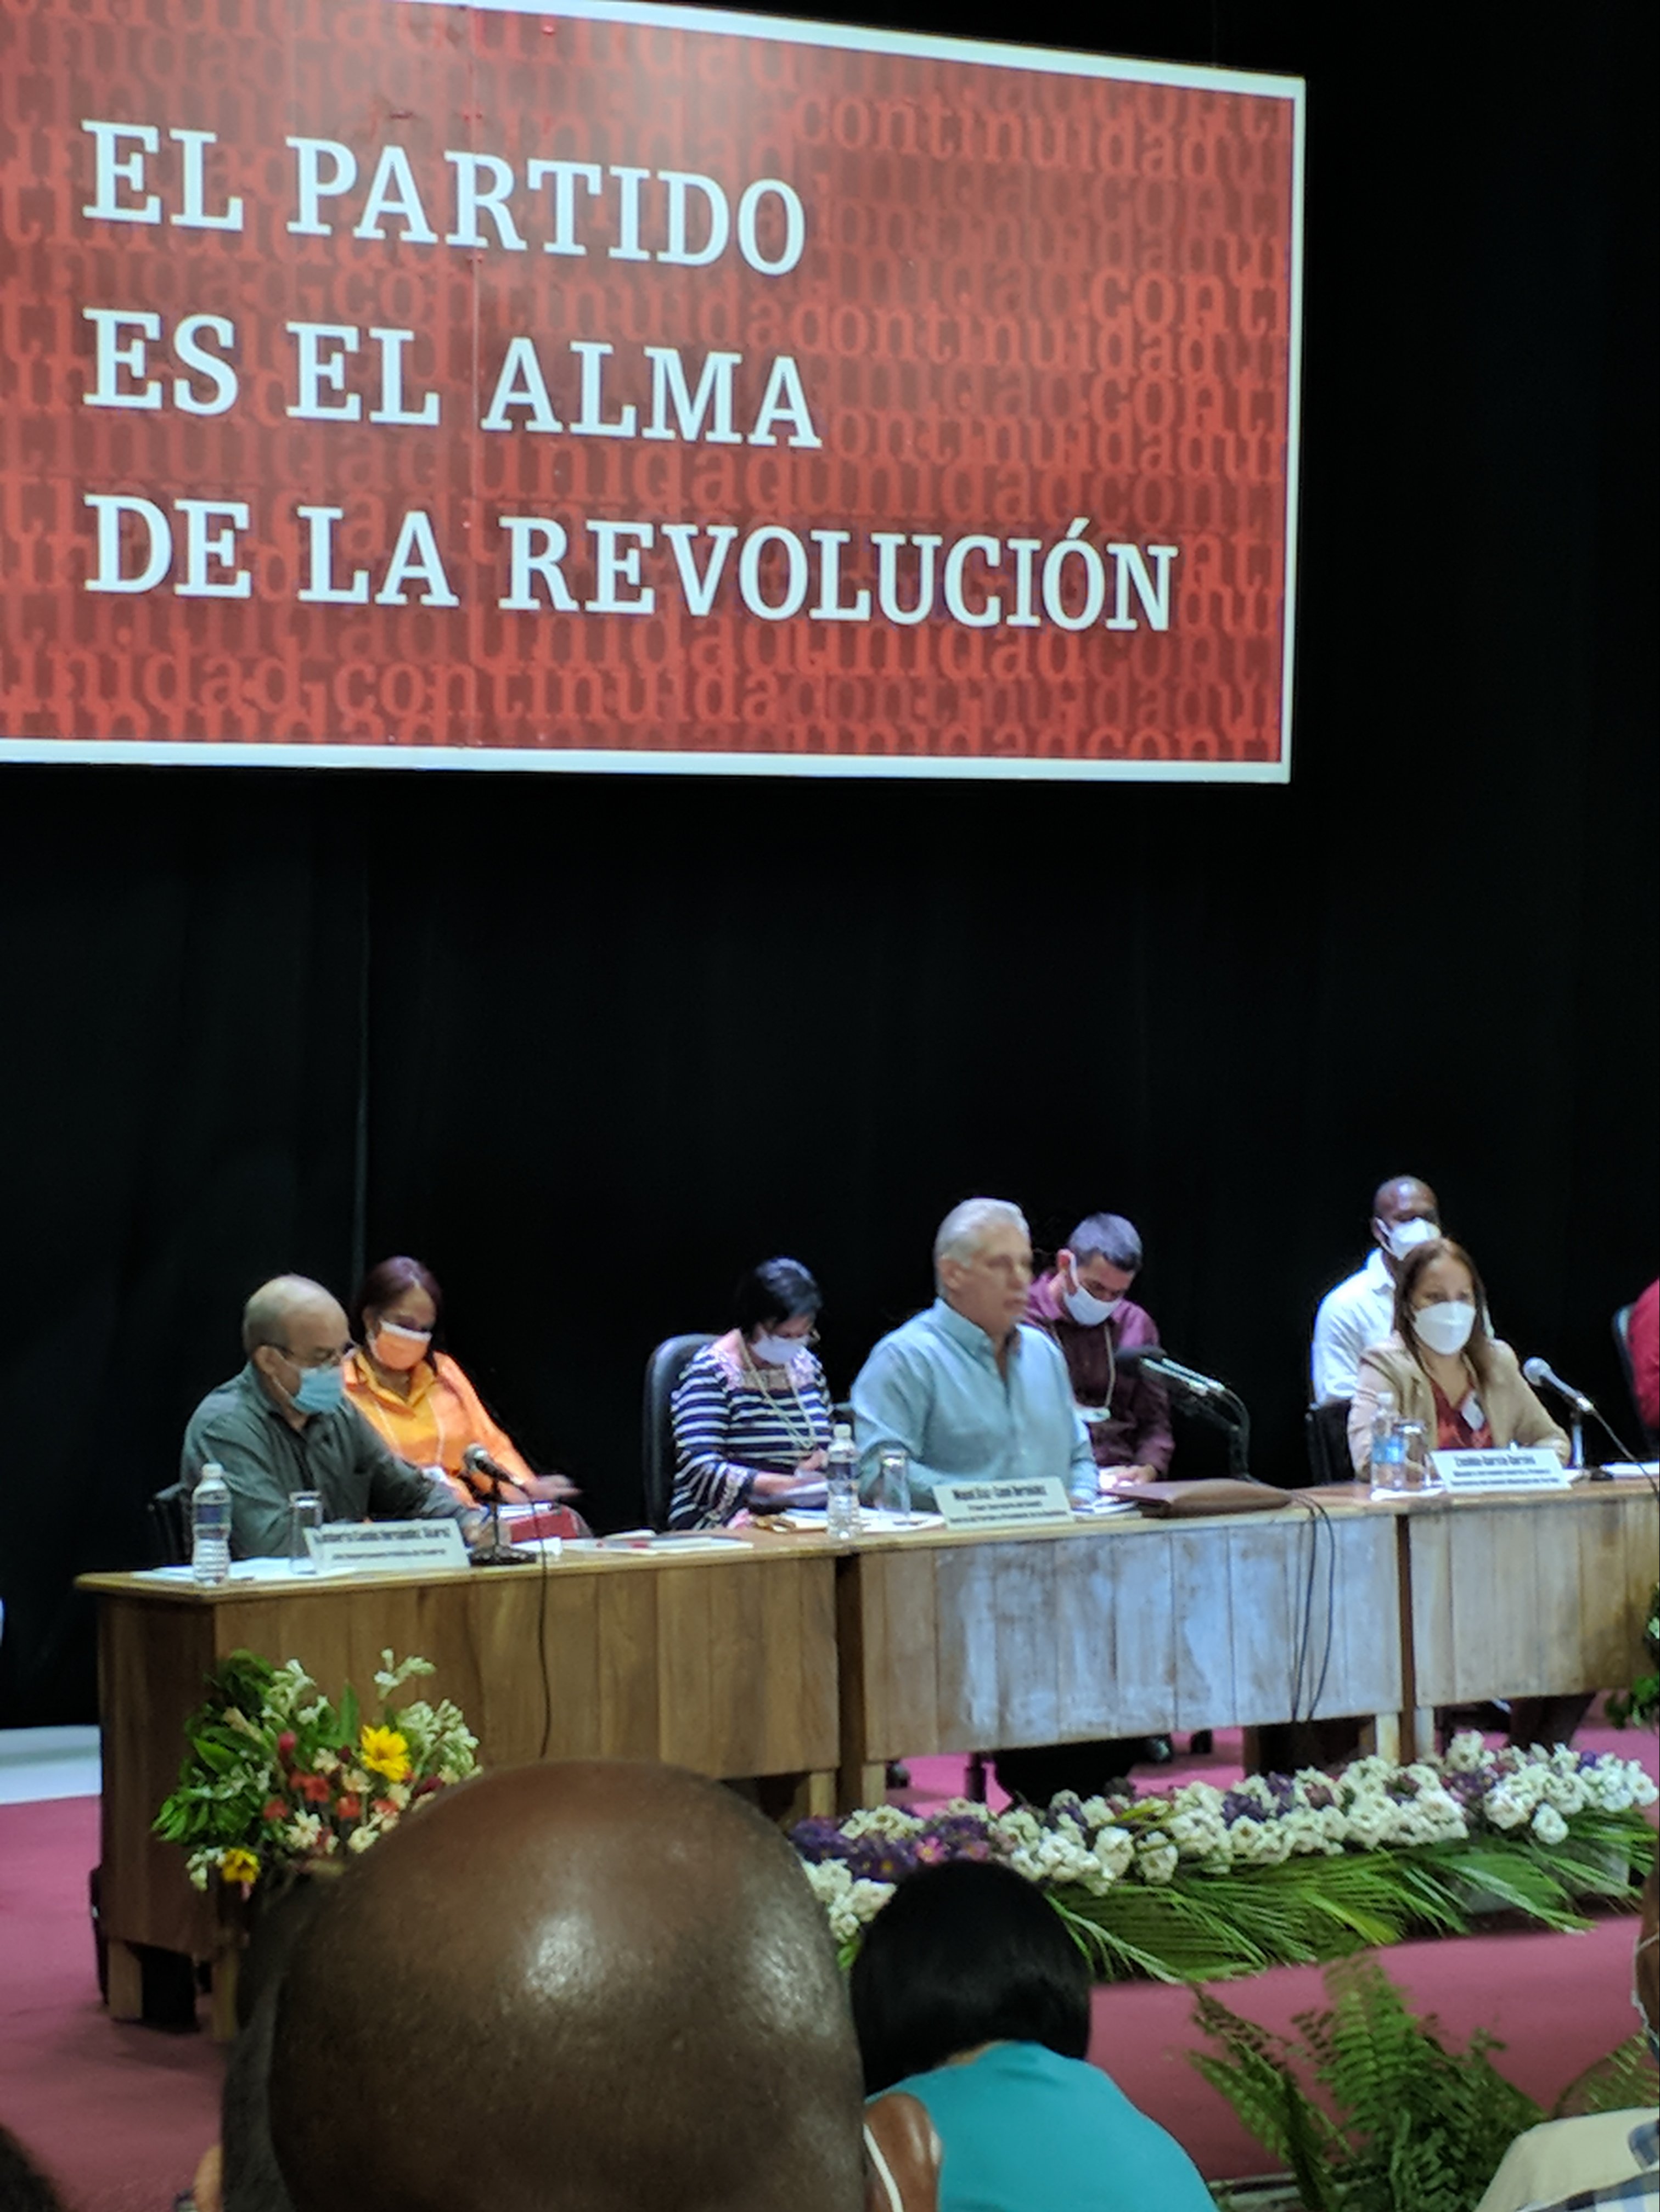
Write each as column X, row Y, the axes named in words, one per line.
column 842, row 1485
column 209, row 1517
column 1388, row 1448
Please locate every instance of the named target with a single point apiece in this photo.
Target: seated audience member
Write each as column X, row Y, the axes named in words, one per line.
column 1643, row 1342
column 1405, row 1213
column 968, row 1389
column 648, row 1998
column 284, row 1425
column 970, row 1995
column 418, row 1400
column 751, row 1414
column 1600, row 2159
column 1468, row 1393
column 1085, row 1305
column 23, row 2187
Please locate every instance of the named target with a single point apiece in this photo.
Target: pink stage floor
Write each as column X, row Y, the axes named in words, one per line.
column 120, row 2114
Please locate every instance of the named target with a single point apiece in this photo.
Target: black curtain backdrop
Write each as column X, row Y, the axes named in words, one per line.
column 589, row 1046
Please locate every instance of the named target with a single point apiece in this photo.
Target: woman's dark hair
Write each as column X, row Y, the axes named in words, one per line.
column 778, row 1289
column 1478, row 1351
column 962, row 1954
column 386, row 1283
column 23, row 2187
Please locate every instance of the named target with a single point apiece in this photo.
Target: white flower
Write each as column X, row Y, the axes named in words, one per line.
column 303, row 1832
column 1549, row 1826
column 361, row 1839
column 881, row 1820
column 1505, row 1806
column 1157, row 1858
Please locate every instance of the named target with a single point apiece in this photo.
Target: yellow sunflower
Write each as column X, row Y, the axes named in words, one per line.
column 384, row 1751
column 239, row 1865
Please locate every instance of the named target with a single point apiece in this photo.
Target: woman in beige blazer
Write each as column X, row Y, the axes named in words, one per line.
column 1464, row 1385
column 1469, row 1391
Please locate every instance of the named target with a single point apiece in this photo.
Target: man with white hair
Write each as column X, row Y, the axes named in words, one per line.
column 285, row 1424
column 967, row 1389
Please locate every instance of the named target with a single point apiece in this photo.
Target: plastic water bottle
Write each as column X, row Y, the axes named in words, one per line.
column 842, row 1485
column 1388, row 1451
column 209, row 1515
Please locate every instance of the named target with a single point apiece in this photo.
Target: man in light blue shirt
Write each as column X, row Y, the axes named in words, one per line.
column 969, row 1389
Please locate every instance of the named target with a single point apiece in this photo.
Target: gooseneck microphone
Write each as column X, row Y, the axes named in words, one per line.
column 477, row 1462
column 1543, row 1376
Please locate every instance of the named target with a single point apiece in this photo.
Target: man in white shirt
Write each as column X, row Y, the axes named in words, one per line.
column 1359, row 1312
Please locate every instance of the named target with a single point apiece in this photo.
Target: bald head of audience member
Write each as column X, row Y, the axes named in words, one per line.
column 289, row 1326
column 586, row 1984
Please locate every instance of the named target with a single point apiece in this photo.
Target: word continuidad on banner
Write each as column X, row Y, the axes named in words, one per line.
column 1063, row 582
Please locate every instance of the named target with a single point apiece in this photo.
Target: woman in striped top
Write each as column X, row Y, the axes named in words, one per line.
column 751, row 1412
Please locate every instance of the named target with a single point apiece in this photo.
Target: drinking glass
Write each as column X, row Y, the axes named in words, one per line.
column 893, row 1484
column 1415, row 1464
column 305, row 1512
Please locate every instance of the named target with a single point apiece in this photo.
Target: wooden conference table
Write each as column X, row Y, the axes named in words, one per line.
column 787, row 1657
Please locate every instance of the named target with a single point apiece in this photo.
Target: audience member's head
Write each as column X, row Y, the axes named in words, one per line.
column 962, row 1955
column 588, row 1985
column 23, row 2187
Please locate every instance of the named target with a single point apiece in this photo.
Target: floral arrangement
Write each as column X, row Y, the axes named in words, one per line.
column 276, row 1776
column 1207, row 1883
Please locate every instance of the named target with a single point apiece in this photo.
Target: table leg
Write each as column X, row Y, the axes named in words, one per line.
column 859, row 1784
column 126, row 1983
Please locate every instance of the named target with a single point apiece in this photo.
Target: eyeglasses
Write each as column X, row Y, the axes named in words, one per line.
column 323, row 1358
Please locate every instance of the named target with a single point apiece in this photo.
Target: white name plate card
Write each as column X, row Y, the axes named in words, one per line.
column 386, row 1547
column 1513, row 1467
column 1040, row 1505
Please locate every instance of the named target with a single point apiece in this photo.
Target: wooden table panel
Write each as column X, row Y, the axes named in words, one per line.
column 1124, row 1628
column 1534, row 1596
column 726, row 1663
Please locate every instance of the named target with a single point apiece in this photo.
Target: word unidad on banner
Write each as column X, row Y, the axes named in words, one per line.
column 1036, row 590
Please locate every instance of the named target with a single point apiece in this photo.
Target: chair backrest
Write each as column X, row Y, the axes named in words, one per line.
column 169, row 1512
column 1327, row 1431
column 667, row 1363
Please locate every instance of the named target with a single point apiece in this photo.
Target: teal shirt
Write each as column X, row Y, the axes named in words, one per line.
column 932, row 1388
column 1025, row 2131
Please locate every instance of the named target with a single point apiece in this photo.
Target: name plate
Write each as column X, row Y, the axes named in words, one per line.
column 1514, row 1466
column 1039, row 1504
column 386, row 1547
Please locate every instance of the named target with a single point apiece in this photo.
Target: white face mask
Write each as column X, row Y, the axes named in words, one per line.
column 1444, row 1328
column 778, row 1351
column 1086, row 1310
column 1402, row 1235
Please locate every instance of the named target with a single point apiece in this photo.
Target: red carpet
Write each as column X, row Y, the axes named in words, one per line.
column 120, row 2114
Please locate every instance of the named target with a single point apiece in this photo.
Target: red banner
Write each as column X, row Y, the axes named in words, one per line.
column 406, row 384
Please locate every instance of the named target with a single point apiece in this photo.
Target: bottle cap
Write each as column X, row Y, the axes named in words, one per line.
column 841, row 1433
column 1385, row 1398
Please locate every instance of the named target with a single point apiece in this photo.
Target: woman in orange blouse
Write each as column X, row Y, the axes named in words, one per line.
column 418, row 1398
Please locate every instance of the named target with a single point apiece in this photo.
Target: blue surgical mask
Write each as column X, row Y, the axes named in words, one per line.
column 322, row 1390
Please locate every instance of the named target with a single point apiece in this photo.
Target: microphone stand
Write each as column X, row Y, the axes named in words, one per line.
column 495, row 1554
column 1214, row 1402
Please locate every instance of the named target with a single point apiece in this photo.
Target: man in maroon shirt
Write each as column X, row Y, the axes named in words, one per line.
column 1085, row 1305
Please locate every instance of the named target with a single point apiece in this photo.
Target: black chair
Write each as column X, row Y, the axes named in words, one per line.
column 1326, row 1429
column 170, row 1530
column 667, row 1365
column 1622, row 1341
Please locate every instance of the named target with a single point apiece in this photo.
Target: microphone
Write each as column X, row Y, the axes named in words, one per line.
column 477, row 1462
column 1542, row 1374
column 1158, row 1361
